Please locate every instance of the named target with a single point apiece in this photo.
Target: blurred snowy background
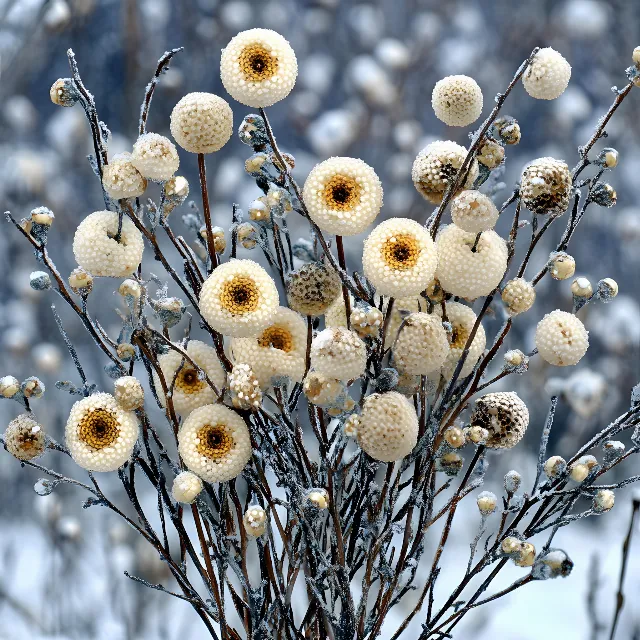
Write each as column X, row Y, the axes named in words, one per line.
column 364, row 90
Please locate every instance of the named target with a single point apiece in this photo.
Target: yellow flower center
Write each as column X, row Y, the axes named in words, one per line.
column 214, row 441
column 276, row 337
column 98, row 429
column 459, row 336
column 240, row 295
column 342, row 193
column 401, row 252
column 188, row 382
column 257, row 63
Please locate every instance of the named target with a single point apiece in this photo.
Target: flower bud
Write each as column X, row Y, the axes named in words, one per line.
column 258, row 210
column 608, row 158
column 561, row 265
column 126, row 351
column 247, row 235
column 33, row 387
column 512, row 481
column 319, row 498
column 63, row 93
column 487, row 502
column 81, row 281
column 527, row 555
column 607, row 289
column 476, row 434
column 554, row 467
column 581, row 288
column 635, row 56
column 613, row 449
column 511, row 546
column 454, row 437
column 255, row 521
column 9, row 386
column 130, row 289
column 603, row 501
column 579, row 472
column 450, row 463
column 603, row 194
column 40, row 281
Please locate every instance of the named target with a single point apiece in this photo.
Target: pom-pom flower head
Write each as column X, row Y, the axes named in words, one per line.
column 155, row 157
column 399, row 257
column 437, row 165
column 466, row 268
column 121, row 179
column 100, row 434
column 422, row 345
column 279, row 350
column 546, row 186
column 313, row 288
column 129, row 393
column 97, row 251
column 518, row 296
column 343, row 195
column 504, row 416
column 202, row 122
column 186, row 487
column 189, row 389
column 214, row 443
column 457, row 100
column 388, row 427
column 561, row 338
column 258, row 67
column 473, row 211
column 338, row 353
column 239, row 298
column 24, row 438
column 547, row 76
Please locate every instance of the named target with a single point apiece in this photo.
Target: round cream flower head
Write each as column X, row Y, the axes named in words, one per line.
column 518, row 295
column 561, row 338
column 436, row 166
column 189, row 391
column 97, row 251
column 466, row 273
column 388, row 429
column 343, row 195
column 399, row 258
column 280, row 350
column 255, row 521
column 462, row 319
column 545, row 186
column 214, row 443
column 186, row 487
column 338, row 353
column 473, row 211
column 547, row 76
column 100, row 434
column 129, row 393
column 457, row 100
column 422, row 345
column 24, row 438
column 155, row 157
column 504, row 416
column 202, row 122
column 121, row 179
column 258, row 67
column 239, row 298
column 313, row 288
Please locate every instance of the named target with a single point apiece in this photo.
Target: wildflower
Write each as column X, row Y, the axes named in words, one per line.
column 239, row 298
column 526, row 557
column 100, row 434
column 186, row 487
column 312, row 288
column 457, row 100
column 399, row 258
column 579, row 472
column 603, row 500
column 130, row 289
column 80, row 281
column 388, row 429
column 190, row 391
column 518, row 295
column 98, row 252
column 202, row 122
column 279, row 350
column 155, row 157
column 255, row 521
column 214, row 443
column 121, row 179
column 462, row 319
column 507, row 129
column 366, row 320
column 487, row 502
column 244, row 387
column 343, row 195
column 129, row 393
column 338, row 353
column 24, row 438
column 491, row 154
column 455, row 437
column 545, row 186
column 504, row 415
column 474, row 212
column 561, row 265
column 258, row 67
column 581, row 288
column 547, row 76
column 561, row 338
column 468, row 272
column 323, row 391
column 63, row 93
column 9, row 386
column 422, row 345
column 437, row 165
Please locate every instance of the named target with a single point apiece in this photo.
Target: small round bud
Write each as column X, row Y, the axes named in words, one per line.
column 511, row 546
column 555, row 563
column 33, row 388
column 126, row 351
column 491, row 154
column 579, row 472
column 561, row 265
column 454, row 437
column 514, row 358
column 351, row 424
column 527, row 555
column 507, row 129
column 603, row 194
column 254, row 164
column 9, row 386
column 607, row 289
column 366, row 321
column 63, row 93
column 219, row 241
column 255, row 521
column 554, row 467
column 608, row 158
column 635, row 56
column 186, row 487
column 518, row 295
column 129, row 393
column 476, row 434
column 169, row 310
column 512, row 481
column 130, row 289
column 449, row 463
column 613, row 449
column 581, row 288
column 258, row 210
column 42, row 216
column 24, row 438
column 590, row 461
column 177, row 188
column 81, row 281
column 603, row 501
column 487, row 502
column 247, row 235
column 252, row 131
column 319, row 498
column 39, row 281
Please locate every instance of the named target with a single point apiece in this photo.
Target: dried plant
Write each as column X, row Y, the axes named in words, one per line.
column 256, row 459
